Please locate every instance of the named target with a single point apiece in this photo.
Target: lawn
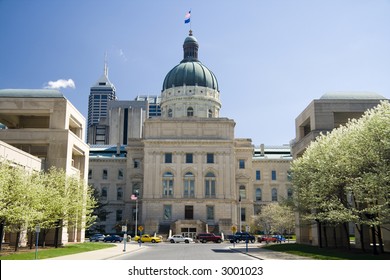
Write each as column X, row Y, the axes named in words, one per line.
column 327, row 253
column 49, row 252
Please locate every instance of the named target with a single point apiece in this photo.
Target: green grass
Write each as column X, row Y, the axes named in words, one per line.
column 327, row 253
column 56, row 252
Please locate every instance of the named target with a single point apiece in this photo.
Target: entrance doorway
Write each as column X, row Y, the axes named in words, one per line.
column 188, row 232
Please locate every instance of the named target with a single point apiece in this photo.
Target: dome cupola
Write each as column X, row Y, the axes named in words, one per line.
column 190, row 88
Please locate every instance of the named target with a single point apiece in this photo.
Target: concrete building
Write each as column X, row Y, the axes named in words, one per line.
column 45, row 125
column 323, row 115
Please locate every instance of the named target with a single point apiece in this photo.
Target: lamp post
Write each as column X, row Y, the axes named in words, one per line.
column 135, row 197
column 239, row 205
column 37, row 230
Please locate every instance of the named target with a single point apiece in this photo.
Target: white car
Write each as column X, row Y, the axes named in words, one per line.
column 179, row 238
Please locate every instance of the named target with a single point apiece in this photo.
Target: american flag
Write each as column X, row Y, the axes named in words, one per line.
column 187, row 18
column 133, row 197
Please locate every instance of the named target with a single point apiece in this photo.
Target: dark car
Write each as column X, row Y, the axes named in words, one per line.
column 242, row 236
column 205, row 237
column 96, row 237
column 113, row 238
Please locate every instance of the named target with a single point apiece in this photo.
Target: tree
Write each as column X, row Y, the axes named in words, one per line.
column 343, row 176
column 275, row 218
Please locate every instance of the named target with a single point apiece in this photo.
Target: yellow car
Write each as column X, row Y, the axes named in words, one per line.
column 147, row 238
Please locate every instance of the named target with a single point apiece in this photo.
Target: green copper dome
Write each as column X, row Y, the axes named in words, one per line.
column 190, row 71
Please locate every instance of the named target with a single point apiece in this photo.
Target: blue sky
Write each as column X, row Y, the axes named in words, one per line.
column 271, row 57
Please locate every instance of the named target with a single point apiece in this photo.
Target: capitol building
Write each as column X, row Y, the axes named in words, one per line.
column 186, row 168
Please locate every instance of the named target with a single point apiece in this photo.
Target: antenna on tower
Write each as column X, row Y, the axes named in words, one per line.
column 105, row 64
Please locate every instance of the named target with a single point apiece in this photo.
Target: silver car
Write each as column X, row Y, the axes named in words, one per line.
column 179, row 238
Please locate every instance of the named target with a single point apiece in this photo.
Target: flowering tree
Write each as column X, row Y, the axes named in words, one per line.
column 343, row 176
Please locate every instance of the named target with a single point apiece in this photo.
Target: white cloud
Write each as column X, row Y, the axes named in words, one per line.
column 122, row 55
column 61, row 84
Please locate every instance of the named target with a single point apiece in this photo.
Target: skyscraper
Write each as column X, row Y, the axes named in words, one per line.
column 101, row 92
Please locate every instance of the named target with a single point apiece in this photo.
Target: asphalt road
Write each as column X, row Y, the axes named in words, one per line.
column 183, row 251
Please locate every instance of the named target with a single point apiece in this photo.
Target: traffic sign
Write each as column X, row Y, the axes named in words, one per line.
column 140, row 228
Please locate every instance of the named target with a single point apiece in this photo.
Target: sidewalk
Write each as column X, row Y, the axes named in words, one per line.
column 256, row 251
column 103, row 254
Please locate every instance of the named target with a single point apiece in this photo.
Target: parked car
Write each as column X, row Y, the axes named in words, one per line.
column 242, row 236
column 96, row 237
column 113, row 238
column 147, row 238
column 179, row 238
column 267, row 239
column 205, row 237
column 280, row 238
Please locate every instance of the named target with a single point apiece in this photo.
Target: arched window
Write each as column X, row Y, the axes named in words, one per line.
column 104, row 192
column 289, row 193
column 242, row 192
column 190, row 112
column 167, row 184
column 170, row 113
column 209, row 184
column 119, row 193
column 258, row 194
column 210, row 114
column 274, row 194
column 189, row 185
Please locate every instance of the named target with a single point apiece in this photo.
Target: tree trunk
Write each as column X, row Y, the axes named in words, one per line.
column 360, row 230
column 380, row 240
column 375, row 249
column 17, row 241
column 319, row 233
column 30, row 238
column 57, row 233
column 345, row 226
column 334, row 237
column 2, row 223
column 325, row 236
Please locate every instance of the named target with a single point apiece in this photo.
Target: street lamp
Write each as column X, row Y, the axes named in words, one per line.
column 239, row 200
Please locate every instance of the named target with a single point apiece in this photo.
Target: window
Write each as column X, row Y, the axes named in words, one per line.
column 136, row 189
column 189, row 185
column 258, row 194
column 210, row 212
column 273, row 174
column 243, row 215
column 188, row 212
column 210, row 114
column 210, row 158
column 137, row 163
column 120, row 174
column 274, row 194
column 105, row 174
column 118, row 215
column 210, row 185
column 104, row 192
column 119, row 193
column 241, row 164
column 167, row 212
column 90, row 174
column 167, row 184
column 189, row 158
column 242, row 192
column 289, row 193
column 168, row 158
column 170, row 114
column 190, row 112
column 258, row 175
column 289, row 176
